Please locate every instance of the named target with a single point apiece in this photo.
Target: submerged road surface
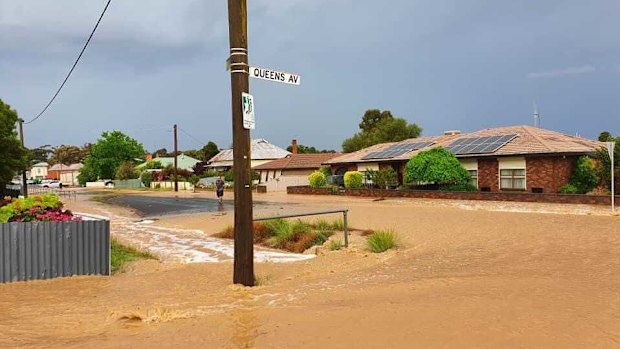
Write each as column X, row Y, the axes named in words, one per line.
column 151, row 206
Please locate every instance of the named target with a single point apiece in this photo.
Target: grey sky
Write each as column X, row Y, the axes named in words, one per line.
column 442, row 64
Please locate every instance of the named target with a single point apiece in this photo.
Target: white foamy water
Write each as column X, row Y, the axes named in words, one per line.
column 188, row 245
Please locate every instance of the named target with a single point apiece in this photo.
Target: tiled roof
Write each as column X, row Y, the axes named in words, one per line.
column 529, row 140
column 62, row 167
column 297, row 161
column 260, row 150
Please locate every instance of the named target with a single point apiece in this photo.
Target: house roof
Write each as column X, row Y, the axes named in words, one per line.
column 63, row 167
column 260, row 150
column 183, row 161
column 529, row 140
column 297, row 161
column 41, row 164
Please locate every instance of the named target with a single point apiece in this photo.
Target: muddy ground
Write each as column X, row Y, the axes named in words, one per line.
column 466, row 274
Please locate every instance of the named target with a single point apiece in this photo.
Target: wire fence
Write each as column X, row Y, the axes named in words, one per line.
column 63, row 193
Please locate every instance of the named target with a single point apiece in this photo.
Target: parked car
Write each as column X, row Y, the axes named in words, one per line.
column 52, row 184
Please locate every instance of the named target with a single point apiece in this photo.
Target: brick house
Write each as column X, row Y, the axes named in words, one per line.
column 513, row 158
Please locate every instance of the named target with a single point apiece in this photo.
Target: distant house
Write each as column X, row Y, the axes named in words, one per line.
column 184, row 162
column 66, row 174
column 39, row 170
column 261, row 150
column 292, row 170
column 513, row 158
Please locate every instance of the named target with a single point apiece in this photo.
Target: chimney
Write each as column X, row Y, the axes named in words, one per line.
column 148, row 157
column 451, row 132
column 294, row 146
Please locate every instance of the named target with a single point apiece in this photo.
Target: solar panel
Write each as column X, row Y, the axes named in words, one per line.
column 479, row 145
column 396, row 150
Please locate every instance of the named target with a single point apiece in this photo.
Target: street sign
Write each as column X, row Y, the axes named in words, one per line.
column 247, row 100
column 274, row 75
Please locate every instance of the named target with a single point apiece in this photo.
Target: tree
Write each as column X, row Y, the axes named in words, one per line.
column 209, row 151
column 40, row 154
column 13, row 157
column 437, row 166
column 66, row 155
column 109, row 152
column 127, row 170
column 604, row 169
column 384, row 178
column 380, row 127
column 160, row 153
column 605, row 136
column 302, row 149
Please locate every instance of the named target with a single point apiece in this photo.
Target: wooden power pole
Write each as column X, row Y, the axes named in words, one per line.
column 176, row 150
column 244, row 248
column 24, row 179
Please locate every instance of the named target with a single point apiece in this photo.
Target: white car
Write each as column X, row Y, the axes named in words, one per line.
column 52, row 184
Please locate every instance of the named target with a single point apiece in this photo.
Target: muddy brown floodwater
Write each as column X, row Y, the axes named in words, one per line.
column 465, row 275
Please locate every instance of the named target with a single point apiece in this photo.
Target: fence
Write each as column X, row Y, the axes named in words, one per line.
column 45, row 250
column 63, row 193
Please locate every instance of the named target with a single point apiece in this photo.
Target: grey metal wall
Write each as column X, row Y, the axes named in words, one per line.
column 45, row 250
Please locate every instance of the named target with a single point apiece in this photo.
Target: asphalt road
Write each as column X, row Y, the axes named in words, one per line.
column 150, row 206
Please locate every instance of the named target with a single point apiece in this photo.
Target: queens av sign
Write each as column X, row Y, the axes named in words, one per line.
column 274, row 75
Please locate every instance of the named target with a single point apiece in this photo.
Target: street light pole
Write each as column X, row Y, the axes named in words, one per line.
column 24, row 180
column 244, row 245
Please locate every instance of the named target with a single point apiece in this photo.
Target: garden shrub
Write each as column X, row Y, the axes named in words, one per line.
column 437, row 166
column 353, row 180
column 317, row 179
column 146, row 178
column 335, row 245
column 384, row 178
column 569, row 189
column 585, row 175
column 382, row 240
column 326, row 170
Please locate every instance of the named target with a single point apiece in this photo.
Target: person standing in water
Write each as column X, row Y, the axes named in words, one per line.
column 219, row 188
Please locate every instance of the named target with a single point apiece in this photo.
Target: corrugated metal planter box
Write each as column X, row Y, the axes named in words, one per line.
column 46, row 250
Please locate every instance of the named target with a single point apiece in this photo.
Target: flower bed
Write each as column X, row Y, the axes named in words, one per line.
column 38, row 208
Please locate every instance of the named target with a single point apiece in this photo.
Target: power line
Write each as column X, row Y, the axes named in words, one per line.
column 192, row 137
column 74, row 65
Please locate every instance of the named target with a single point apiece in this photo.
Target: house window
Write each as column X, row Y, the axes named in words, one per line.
column 474, row 177
column 512, row 179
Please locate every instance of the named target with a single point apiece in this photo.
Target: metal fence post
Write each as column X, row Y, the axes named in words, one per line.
column 345, row 228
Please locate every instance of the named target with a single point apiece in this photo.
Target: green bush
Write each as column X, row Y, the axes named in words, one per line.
column 228, row 176
column 459, row 187
column 585, row 175
column 317, row 179
column 16, row 206
column 127, row 170
column 353, row 180
column 153, row 164
column 437, row 166
column 146, row 178
column 569, row 189
column 326, row 170
column 384, row 178
column 381, row 240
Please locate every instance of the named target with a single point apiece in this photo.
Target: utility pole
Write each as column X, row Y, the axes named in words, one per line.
column 176, row 150
column 239, row 75
column 24, row 180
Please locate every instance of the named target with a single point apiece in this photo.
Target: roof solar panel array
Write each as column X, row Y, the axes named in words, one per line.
column 396, row 150
column 479, row 145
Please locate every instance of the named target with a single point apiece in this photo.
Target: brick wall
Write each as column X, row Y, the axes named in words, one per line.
column 490, row 196
column 549, row 173
column 488, row 170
